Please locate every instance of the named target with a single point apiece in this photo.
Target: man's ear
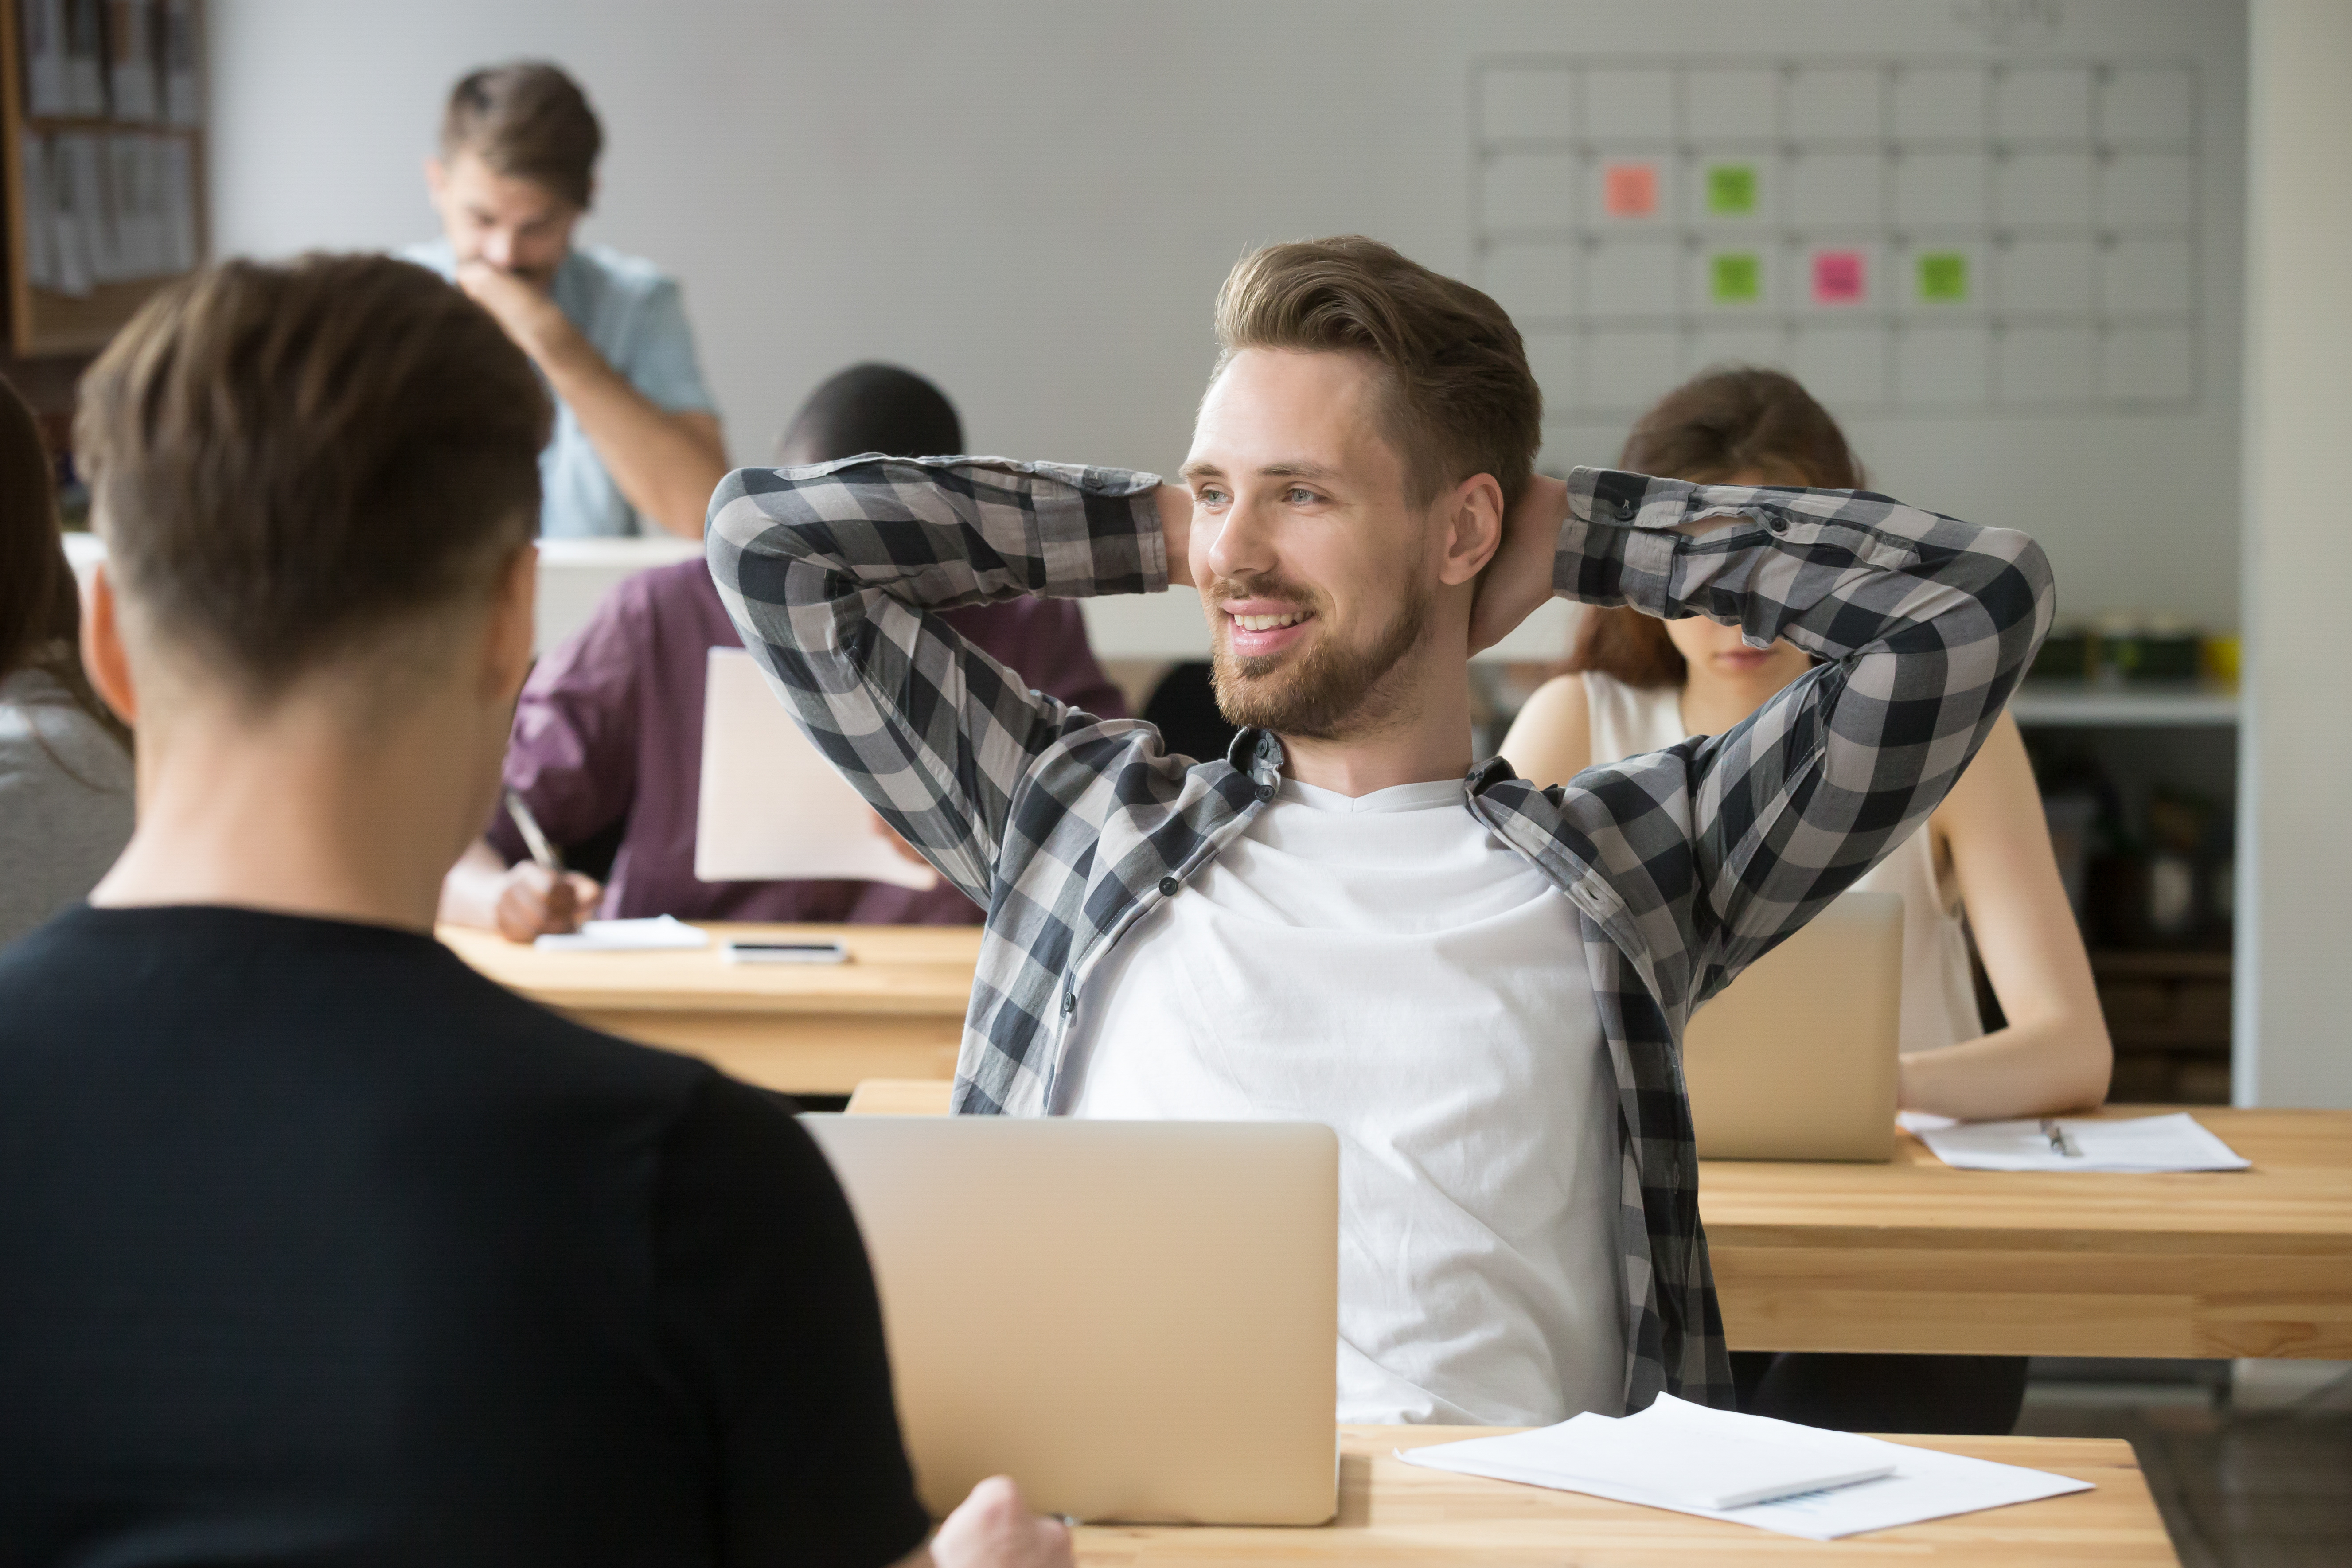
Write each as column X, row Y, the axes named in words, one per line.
column 1474, row 529
column 103, row 657
column 511, row 630
column 436, row 178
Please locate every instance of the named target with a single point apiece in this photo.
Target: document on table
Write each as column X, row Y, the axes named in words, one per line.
column 660, row 931
column 2142, row 1144
column 1692, row 1459
column 771, row 807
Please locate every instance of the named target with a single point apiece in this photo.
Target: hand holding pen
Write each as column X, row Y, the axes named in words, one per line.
column 539, row 896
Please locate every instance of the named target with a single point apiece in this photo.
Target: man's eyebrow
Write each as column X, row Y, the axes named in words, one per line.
column 1300, row 469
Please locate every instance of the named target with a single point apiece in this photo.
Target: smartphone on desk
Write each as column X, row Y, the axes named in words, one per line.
column 786, row 952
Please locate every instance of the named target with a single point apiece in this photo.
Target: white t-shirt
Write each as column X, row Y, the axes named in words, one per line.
column 1386, row 967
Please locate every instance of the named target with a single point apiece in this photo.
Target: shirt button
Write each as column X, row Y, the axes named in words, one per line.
column 1778, row 525
column 1069, row 1003
column 1627, row 511
column 1168, row 886
column 1265, row 791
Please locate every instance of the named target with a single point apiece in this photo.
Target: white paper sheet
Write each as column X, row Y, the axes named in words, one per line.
column 659, row 932
column 2141, row 1143
column 1688, row 1451
column 771, row 807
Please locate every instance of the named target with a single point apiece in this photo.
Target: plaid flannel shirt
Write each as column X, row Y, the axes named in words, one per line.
column 1684, row 865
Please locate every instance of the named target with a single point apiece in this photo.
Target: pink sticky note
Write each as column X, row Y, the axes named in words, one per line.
column 1839, row 277
column 1629, row 190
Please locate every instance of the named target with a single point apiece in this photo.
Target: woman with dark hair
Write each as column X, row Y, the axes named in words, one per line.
column 65, row 760
column 1983, row 863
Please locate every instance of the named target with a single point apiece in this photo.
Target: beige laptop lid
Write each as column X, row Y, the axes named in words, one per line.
column 1135, row 1321
column 1796, row 1058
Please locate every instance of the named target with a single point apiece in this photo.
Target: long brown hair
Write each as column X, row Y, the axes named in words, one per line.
column 1719, row 424
column 40, row 604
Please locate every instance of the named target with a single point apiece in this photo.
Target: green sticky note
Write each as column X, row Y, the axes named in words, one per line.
column 1731, row 189
column 1944, row 275
column 1738, row 277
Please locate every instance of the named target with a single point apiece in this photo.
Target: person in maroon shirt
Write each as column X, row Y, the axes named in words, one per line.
column 608, row 731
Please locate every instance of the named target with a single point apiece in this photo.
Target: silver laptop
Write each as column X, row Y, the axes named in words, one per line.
column 1796, row 1058
column 1135, row 1320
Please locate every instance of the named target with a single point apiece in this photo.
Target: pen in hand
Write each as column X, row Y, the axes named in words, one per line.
column 541, row 850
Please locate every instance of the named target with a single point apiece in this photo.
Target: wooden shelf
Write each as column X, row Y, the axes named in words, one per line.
column 45, row 322
column 2147, row 704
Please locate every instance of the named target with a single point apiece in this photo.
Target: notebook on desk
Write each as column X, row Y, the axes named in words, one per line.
column 1796, row 1058
column 1135, row 1321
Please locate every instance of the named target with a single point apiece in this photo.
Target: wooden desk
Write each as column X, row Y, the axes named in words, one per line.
column 1392, row 1512
column 1913, row 1256
column 894, row 1010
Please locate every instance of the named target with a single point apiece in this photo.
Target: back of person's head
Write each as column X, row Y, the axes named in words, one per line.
column 1738, row 422
column 40, row 607
column 295, row 467
column 871, row 408
column 1460, row 399
column 527, row 121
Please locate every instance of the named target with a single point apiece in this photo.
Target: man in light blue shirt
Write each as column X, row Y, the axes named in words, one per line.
column 636, row 445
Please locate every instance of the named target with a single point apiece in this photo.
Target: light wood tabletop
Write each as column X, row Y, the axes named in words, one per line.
column 894, row 1010
column 1915, row 1255
column 1392, row 1512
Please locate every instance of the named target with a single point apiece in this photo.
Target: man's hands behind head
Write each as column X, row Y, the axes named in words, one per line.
column 1517, row 580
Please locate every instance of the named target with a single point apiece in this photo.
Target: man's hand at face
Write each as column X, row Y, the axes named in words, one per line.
column 520, row 308
column 1518, row 579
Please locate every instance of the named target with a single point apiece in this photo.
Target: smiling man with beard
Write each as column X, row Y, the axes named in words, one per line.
column 1479, row 985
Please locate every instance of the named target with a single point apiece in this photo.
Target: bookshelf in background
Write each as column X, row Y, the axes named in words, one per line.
column 102, row 162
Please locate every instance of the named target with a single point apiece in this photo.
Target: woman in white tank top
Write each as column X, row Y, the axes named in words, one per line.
column 1983, row 862
column 1637, row 685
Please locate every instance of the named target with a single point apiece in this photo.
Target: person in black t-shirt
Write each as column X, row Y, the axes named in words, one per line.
column 315, row 1246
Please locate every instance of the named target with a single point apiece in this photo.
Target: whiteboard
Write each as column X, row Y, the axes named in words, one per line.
column 1033, row 202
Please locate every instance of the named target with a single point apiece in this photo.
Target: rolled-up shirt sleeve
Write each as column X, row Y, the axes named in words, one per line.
column 572, row 753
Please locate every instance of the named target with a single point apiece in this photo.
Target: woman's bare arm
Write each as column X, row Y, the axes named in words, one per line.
column 1551, row 739
column 2053, row 1054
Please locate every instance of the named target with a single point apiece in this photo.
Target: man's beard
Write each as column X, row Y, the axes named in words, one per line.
column 1335, row 692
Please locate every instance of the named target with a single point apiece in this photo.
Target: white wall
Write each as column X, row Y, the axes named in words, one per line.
column 2295, row 795
column 1034, row 201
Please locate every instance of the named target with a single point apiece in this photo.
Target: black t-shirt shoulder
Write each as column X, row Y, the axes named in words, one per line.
column 323, row 1248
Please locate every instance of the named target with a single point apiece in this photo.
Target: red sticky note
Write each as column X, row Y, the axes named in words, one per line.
column 1839, row 277
column 1629, row 190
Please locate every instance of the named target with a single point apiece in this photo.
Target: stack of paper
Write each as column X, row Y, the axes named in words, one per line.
column 2143, row 1143
column 626, row 936
column 1747, row 1470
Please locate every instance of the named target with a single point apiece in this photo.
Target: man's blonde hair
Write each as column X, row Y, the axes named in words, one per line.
column 1460, row 399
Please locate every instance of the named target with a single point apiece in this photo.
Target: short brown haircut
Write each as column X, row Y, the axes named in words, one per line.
column 1721, row 423
column 527, row 121
column 289, row 461
column 1461, row 400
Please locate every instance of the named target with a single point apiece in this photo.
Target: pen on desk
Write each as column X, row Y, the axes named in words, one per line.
column 541, row 849
column 2059, row 1142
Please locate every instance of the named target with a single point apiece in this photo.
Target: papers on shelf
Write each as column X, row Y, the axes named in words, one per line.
column 180, row 100
column 43, row 30
column 85, row 37
column 660, row 932
column 2142, row 1144
column 131, row 65
column 1691, row 1460
column 771, row 807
